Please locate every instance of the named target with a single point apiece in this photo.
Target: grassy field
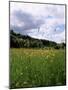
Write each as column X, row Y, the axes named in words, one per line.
column 36, row 68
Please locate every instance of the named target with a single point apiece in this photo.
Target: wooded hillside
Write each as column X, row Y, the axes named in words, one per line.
column 24, row 41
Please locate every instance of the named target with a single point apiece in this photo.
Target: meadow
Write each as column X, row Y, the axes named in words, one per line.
column 37, row 67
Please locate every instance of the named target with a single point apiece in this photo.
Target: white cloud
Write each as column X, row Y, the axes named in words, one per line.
column 51, row 15
column 48, row 35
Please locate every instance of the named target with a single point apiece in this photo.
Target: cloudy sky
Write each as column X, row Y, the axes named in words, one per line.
column 42, row 21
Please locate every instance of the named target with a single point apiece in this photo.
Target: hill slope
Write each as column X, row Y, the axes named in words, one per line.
column 20, row 41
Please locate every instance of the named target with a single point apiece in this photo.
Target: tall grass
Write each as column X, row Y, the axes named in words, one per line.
column 37, row 67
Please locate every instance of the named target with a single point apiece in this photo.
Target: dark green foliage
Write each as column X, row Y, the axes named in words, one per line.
column 60, row 46
column 57, row 47
column 19, row 41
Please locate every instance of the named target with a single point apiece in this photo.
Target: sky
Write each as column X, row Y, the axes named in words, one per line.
column 41, row 21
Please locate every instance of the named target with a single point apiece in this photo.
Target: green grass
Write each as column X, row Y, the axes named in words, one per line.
column 37, row 68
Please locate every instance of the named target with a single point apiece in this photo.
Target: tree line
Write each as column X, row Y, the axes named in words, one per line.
column 24, row 41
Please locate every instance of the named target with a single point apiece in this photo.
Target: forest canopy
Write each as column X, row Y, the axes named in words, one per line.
column 18, row 40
